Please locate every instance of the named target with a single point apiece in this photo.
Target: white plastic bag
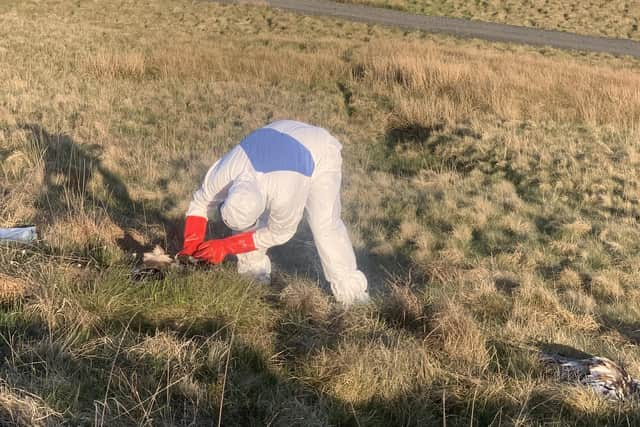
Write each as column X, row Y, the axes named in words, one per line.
column 20, row 234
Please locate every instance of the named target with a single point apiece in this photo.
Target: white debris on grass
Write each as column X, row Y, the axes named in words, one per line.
column 19, row 234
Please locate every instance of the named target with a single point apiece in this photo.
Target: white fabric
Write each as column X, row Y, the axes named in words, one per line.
column 256, row 264
column 243, row 206
column 287, row 195
column 323, row 207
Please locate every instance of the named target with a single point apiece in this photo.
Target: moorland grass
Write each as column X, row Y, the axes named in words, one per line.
column 490, row 191
column 615, row 18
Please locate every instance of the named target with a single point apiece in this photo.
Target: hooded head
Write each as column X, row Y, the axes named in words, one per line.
column 243, row 206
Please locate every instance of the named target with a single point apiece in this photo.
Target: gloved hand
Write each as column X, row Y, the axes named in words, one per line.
column 195, row 229
column 215, row 251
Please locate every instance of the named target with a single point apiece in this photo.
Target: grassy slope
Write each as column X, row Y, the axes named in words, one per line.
column 491, row 194
column 616, row 18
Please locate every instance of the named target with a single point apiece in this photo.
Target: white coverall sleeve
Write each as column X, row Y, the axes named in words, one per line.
column 285, row 214
column 334, row 246
column 216, row 183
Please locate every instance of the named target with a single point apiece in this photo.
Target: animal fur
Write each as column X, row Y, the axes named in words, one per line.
column 604, row 376
column 155, row 264
column 157, row 258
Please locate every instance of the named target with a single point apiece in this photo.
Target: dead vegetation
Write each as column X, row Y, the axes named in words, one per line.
column 12, row 289
column 490, row 191
column 23, row 409
column 615, row 18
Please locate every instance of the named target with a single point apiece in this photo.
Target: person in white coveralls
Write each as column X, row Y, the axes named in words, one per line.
column 263, row 186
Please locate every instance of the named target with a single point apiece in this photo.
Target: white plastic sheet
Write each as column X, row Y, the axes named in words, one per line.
column 20, row 234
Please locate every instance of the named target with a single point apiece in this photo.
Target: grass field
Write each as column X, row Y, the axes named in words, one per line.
column 491, row 192
column 615, row 18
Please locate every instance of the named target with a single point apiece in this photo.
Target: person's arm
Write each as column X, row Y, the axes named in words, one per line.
column 285, row 214
column 281, row 226
column 211, row 193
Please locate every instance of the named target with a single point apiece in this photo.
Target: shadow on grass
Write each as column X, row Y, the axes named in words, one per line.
column 629, row 330
column 261, row 391
column 506, row 285
column 438, row 404
column 563, row 350
column 68, row 171
column 412, row 137
column 251, row 392
column 299, row 257
column 297, row 337
column 70, row 168
column 186, row 328
column 256, row 392
column 38, row 361
column 411, row 147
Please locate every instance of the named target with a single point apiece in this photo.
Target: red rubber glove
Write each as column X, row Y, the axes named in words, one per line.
column 195, row 229
column 215, row 251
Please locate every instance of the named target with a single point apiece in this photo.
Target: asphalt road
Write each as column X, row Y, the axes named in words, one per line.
column 455, row 27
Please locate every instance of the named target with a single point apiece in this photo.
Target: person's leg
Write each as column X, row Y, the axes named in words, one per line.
column 256, row 264
column 348, row 284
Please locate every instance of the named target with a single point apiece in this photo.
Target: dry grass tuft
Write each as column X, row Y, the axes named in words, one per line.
column 374, row 370
column 504, row 183
column 586, row 401
column 13, row 289
column 115, row 65
column 578, row 227
column 166, row 347
column 401, row 306
column 570, row 279
column 461, row 338
column 80, row 229
column 431, row 86
column 22, row 409
column 60, row 313
column 579, row 302
column 306, row 299
column 606, row 286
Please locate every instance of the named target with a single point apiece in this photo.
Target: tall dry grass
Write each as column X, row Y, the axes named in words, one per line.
column 610, row 19
column 20, row 408
column 431, row 85
column 490, row 192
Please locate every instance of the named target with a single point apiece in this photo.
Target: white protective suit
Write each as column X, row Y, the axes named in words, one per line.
column 275, row 174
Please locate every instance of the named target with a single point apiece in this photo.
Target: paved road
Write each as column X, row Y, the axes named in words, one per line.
column 455, row 27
